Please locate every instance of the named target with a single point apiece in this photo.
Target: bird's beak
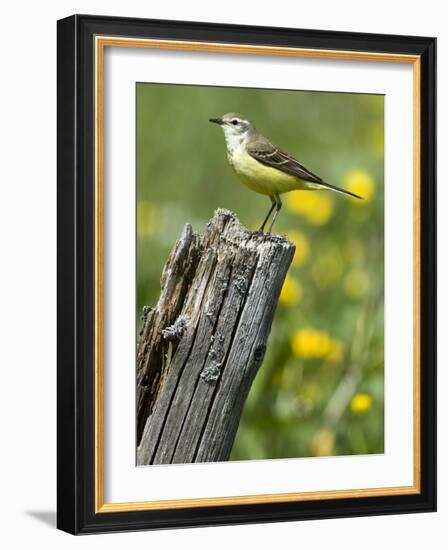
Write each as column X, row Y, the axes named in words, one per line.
column 216, row 120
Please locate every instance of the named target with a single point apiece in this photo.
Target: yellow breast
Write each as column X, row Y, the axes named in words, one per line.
column 259, row 177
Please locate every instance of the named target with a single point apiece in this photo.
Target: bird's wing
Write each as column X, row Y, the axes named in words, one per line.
column 265, row 152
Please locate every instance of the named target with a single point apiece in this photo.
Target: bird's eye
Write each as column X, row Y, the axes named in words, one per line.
column 234, row 122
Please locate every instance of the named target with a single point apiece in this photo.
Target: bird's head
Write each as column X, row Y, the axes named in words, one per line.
column 235, row 126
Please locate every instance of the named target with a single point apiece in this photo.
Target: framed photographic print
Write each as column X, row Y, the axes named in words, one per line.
column 246, row 274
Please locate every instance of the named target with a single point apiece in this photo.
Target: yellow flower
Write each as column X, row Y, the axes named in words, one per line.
column 316, row 206
column 356, row 283
column 322, row 209
column 322, row 443
column 361, row 183
column 310, row 343
column 361, row 403
column 302, row 247
column 292, row 202
column 291, row 291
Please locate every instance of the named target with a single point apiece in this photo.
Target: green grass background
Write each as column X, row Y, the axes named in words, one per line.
column 320, row 390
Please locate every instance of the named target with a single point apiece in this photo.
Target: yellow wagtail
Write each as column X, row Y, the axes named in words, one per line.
column 263, row 167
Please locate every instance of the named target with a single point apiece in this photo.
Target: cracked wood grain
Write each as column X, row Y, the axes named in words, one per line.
column 203, row 343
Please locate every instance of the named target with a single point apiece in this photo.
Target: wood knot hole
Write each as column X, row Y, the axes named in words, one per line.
column 259, row 353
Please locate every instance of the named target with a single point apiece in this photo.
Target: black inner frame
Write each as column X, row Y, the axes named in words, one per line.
column 76, row 262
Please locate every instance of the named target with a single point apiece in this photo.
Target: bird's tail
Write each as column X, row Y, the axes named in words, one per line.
column 339, row 190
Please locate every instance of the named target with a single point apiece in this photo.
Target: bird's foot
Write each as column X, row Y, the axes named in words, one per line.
column 266, row 236
column 262, row 235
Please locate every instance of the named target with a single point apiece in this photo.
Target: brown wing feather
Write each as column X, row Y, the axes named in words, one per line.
column 266, row 153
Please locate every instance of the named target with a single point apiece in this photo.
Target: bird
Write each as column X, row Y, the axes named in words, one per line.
column 263, row 167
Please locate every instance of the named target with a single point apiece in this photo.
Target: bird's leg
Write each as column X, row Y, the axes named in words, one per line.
column 274, row 204
column 278, row 206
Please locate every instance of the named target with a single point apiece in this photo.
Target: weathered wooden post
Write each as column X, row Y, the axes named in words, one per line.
column 203, row 343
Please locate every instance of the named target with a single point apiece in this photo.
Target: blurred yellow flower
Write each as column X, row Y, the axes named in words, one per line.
column 321, row 210
column 291, row 291
column 295, row 202
column 316, row 207
column 302, row 247
column 361, row 183
column 310, row 343
column 361, row 403
column 322, row 443
column 356, row 283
